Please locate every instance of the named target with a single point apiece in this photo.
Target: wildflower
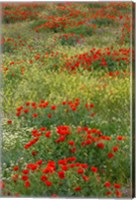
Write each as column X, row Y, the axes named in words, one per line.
column 25, row 171
column 107, row 184
column 77, row 188
column 64, row 167
column 35, row 115
column 61, row 174
column 27, row 184
column 2, row 185
column 94, row 169
column 100, row 145
column 15, row 168
column 110, row 155
column 116, row 185
column 48, row 183
column 48, row 134
column 91, row 105
column 108, row 193
column 9, row 121
column 26, row 111
column 53, row 107
column 115, row 148
column 119, row 137
column 49, row 115
column 43, row 129
column 71, row 142
column 24, row 178
column 54, row 195
column 118, row 193
column 27, row 103
column 39, row 162
column 34, row 153
column 80, row 171
column 43, row 178
column 85, row 178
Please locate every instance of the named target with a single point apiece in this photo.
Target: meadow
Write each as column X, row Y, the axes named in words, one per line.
column 66, row 99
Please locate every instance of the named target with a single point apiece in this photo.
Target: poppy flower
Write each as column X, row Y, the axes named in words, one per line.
column 80, row 171
column 34, row 153
column 27, row 184
column 100, row 145
column 116, row 185
column 107, row 184
column 53, row 107
column 115, row 148
column 26, row 111
column 71, row 142
column 48, row 134
column 118, row 193
column 110, row 155
column 108, row 193
column 61, row 174
column 9, row 121
column 24, row 178
column 35, row 115
column 25, row 171
column 94, row 169
column 119, row 137
column 49, row 115
column 85, row 178
column 77, row 189
column 48, row 183
column 43, row 178
column 15, row 168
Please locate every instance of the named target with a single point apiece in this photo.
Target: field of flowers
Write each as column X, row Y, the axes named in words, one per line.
column 66, row 99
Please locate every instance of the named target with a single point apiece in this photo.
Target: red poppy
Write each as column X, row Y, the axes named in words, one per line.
column 2, row 185
column 35, row 115
column 107, row 184
column 54, row 195
column 48, row 183
column 73, row 150
column 24, row 178
column 61, row 174
column 48, row 134
column 26, row 111
column 77, row 188
column 39, row 162
column 64, row 167
column 94, row 169
column 43, row 129
column 100, row 145
column 85, row 178
column 27, row 184
column 53, row 107
column 64, row 103
column 118, row 193
column 115, row 148
column 71, row 142
column 91, row 105
column 80, row 171
column 34, row 153
column 116, row 185
column 25, row 171
column 15, row 168
column 119, row 137
column 110, row 155
column 108, row 193
column 27, row 103
column 49, row 115
column 9, row 121
column 43, row 178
